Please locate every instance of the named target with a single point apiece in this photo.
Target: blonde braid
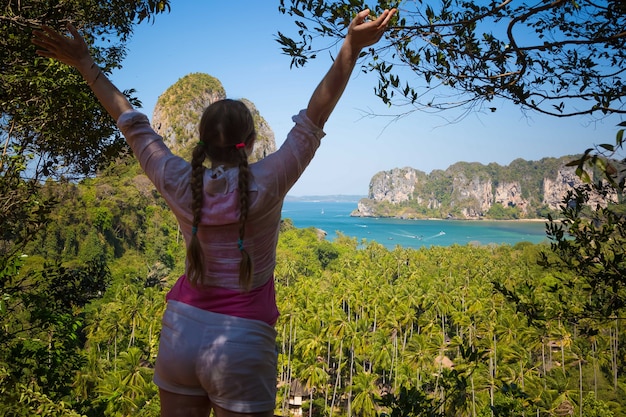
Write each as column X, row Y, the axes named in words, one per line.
column 195, row 257
column 245, row 266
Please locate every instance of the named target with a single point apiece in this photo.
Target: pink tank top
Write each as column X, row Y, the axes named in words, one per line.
column 257, row 304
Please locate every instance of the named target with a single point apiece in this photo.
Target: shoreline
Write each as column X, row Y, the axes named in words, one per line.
column 458, row 220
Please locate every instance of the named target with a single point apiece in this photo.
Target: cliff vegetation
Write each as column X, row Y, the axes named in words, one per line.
column 470, row 190
column 178, row 110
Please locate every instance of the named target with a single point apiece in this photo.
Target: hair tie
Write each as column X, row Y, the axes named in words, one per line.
column 200, row 143
column 240, row 145
column 194, row 230
column 240, row 244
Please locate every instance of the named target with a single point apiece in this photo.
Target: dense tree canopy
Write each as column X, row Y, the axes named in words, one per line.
column 590, row 238
column 45, row 107
column 561, row 57
column 50, row 126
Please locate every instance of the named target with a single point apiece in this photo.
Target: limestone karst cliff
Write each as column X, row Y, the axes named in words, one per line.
column 177, row 114
column 523, row 190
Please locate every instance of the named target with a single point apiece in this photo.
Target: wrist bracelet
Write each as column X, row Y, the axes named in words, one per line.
column 97, row 75
column 95, row 79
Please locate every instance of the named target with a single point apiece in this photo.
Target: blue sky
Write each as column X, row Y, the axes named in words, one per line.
column 234, row 41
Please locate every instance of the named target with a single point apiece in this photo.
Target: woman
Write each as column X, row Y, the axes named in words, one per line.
column 217, row 346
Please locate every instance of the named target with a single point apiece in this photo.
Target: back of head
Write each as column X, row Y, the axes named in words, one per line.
column 224, row 125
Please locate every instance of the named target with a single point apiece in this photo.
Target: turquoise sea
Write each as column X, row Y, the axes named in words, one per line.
column 333, row 217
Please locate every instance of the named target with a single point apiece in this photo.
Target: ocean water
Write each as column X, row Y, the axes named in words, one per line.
column 334, row 217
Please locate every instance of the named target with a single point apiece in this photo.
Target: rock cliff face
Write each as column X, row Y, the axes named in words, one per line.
column 510, row 194
column 178, row 111
column 395, row 186
column 554, row 188
column 473, row 195
column 471, row 191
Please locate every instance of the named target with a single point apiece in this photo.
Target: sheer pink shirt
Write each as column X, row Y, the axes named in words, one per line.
column 271, row 179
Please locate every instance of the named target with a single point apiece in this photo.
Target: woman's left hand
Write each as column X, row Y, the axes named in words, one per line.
column 72, row 51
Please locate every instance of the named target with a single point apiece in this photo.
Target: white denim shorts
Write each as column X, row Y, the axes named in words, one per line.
column 231, row 360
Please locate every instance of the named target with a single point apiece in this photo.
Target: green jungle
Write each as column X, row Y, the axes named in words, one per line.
column 461, row 330
column 88, row 250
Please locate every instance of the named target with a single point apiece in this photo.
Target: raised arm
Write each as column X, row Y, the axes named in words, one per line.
column 74, row 52
column 361, row 33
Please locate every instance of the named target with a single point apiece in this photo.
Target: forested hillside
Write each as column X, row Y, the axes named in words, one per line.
column 470, row 190
column 359, row 327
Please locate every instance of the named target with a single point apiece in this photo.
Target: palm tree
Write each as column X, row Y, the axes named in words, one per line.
column 315, row 376
column 132, row 310
column 311, row 340
column 337, row 378
column 127, row 389
column 366, row 394
column 153, row 302
column 286, row 271
column 112, row 327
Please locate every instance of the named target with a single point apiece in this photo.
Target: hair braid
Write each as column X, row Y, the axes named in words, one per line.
column 195, row 258
column 245, row 267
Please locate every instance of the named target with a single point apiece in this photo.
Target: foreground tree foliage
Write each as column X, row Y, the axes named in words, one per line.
column 561, row 58
column 592, row 239
column 46, row 107
column 50, row 126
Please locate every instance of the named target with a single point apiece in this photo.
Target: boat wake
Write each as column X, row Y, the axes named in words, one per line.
column 437, row 235
column 420, row 237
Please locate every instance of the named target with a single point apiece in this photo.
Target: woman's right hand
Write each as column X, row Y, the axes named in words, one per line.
column 363, row 32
